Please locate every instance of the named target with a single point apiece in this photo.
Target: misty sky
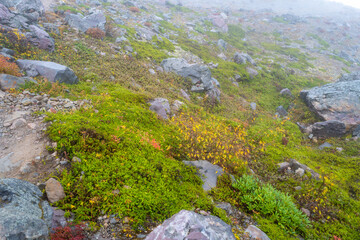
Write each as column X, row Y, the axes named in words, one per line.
column 353, row 3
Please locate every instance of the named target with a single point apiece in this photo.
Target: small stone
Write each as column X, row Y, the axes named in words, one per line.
column 126, row 220
column 152, row 71
column 26, row 102
column 32, row 125
column 298, row 188
column 54, row 190
column 325, row 145
column 306, row 211
column 18, row 123
column 69, row 105
column 253, row 106
column 26, row 168
column 286, row 92
column 300, row 172
column 202, row 212
column 76, row 159
column 113, row 221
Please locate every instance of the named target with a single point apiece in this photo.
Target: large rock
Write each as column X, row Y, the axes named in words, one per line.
column 54, row 72
column 40, row 38
column 190, row 225
column 95, row 20
column 328, row 129
column 350, row 77
column 5, row 14
column 161, row 107
column 255, row 233
column 209, row 173
column 23, row 213
column 243, row 58
column 220, row 21
column 338, row 101
column 8, row 82
column 200, row 75
column 31, row 9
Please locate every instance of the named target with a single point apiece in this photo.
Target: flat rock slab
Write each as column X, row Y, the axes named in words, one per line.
column 338, row 101
column 209, row 172
column 190, row 225
column 23, row 214
column 54, row 72
column 8, row 82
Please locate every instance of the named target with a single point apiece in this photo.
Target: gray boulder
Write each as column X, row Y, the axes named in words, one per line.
column 356, row 132
column 338, row 101
column 5, row 14
column 222, row 44
column 286, row 92
column 200, row 75
column 40, row 38
column 281, row 111
column 54, row 72
column 161, row 107
column 295, row 167
column 95, row 20
column 23, row 213
column 252, row 72
column 190, row 225
column 350, row 77
column 328, row 129
column 243, row 58
column 31, row 9
column 255, row 233
column 8, row 82
column 209, row 172
column 145, row 33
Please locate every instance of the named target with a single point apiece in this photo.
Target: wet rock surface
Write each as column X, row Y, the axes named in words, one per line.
column 23, row 213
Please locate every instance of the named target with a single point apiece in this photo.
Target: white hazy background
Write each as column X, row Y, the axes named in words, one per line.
column 352, row 3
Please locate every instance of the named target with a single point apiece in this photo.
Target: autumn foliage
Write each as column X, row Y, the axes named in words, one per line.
column 96, row 33
column 9, row 67
column 134, row 9
column 68, row 233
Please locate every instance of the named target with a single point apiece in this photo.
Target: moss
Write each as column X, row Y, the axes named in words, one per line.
column 66, row 8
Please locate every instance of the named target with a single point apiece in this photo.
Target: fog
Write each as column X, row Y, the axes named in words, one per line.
column 298, row 7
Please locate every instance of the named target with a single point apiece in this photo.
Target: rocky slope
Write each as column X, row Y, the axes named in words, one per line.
column 127, row 113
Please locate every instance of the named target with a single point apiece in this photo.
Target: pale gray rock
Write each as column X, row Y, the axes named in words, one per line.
column 350, row 77
column 8, row 82
column 54, row 72
column 282, row 111
column 161, row 107
column 356, row 132
column 190, row 225
column 95, row 20
column 325, row 145
column 209, row 172
column 256, row 234
column 243, row 58
column 286, row 92
column 338, row 101
column 54, row 190
column 199, row 74
column 23, row 213
column 39, row 38
column 253, row 106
